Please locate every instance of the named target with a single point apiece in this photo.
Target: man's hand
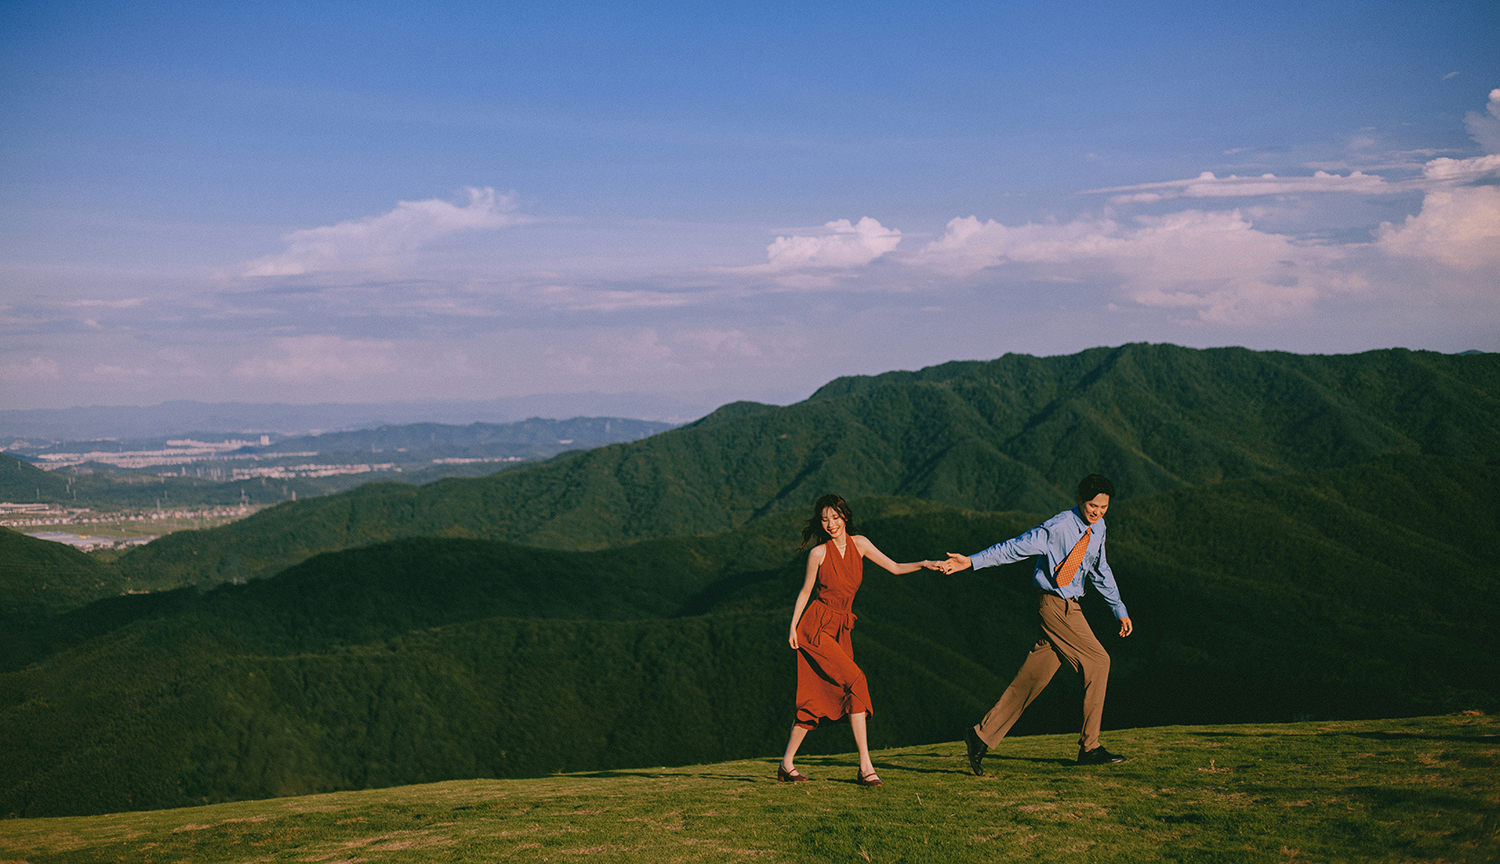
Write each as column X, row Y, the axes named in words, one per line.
column 956, row 562
column 1125, row 627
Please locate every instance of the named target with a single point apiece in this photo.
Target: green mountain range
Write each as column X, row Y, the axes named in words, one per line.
column 1011, row 434
column 1296, row 537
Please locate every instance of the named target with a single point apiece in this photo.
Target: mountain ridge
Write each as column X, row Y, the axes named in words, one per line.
column 1011, row 434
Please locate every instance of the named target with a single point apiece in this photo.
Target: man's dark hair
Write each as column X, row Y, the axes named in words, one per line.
column 1092, row 485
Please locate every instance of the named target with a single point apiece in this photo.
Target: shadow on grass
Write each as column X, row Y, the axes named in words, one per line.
column 1409, row 736
column 836, row 762
column 1037, row 760
column 1374, row 736
column 646, row 775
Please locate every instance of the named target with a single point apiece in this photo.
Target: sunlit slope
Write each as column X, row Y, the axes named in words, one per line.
column 1011, row 434
column 1153, row 417
column 1410, row 789
column 1344, row 594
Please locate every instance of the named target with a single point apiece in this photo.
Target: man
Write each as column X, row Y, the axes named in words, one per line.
column 1069, row 552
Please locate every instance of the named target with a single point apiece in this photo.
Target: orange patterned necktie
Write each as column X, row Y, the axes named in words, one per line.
column 1069, row 566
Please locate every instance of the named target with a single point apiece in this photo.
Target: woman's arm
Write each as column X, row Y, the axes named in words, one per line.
column 814, row 561
column 867, row 549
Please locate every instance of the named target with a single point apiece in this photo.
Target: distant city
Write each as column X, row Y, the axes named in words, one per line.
column 125, row 491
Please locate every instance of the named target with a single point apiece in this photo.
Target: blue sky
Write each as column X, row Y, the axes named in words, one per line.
column 375, row 202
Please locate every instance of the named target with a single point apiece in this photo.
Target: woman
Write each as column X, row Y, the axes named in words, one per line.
column 829, row 685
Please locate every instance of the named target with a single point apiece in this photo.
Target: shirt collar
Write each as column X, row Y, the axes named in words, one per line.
column 1083, row 525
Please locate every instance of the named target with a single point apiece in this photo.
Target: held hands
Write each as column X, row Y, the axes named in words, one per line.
column 955, row 563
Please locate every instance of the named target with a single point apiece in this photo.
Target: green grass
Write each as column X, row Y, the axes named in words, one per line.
column 1418, row 789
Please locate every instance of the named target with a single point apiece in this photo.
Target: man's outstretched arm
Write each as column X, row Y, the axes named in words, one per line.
column 1033, row 542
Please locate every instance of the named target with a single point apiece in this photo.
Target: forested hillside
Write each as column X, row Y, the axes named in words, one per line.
column 1011, row 434
column 422, row 659
column 23, row 482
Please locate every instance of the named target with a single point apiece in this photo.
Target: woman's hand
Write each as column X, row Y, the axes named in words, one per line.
column 933, row 565
column 792, row 640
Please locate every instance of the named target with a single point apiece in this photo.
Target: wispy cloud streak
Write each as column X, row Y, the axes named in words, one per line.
column 389, row 239
column 1206, row 185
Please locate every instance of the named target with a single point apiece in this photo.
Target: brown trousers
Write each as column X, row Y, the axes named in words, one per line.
column 1065, row 637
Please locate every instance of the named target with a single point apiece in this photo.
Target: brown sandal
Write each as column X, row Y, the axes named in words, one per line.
column 792, row 776
column 873, row 779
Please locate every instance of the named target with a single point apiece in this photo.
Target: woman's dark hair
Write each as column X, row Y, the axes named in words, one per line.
column 1090, row 486
column 814, row 526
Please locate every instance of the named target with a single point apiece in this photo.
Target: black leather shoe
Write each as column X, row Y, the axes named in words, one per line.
column 977, row 749
column 1098, row 756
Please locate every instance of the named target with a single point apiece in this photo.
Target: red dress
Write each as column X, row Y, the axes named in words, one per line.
column 829, row 685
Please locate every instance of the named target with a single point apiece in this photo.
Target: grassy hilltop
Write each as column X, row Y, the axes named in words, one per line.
column 1297, row 537
column 1422, row 789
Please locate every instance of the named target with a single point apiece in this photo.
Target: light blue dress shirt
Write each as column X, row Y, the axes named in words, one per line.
column 1050, row 543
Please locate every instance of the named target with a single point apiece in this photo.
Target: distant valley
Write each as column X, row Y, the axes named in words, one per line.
column 175, row 479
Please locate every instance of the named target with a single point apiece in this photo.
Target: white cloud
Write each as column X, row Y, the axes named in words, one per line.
column 577, row 299
column 35, row 369
column 968, row 244
column 385, row 240
column 612, row 355
column 1486, row 130
column 1206, row 185
column 182, row 363
column 107, row 370
column 1224, row 269
column 811, row 262
column 842, row 245
column 1475, row 170
column 1458, row 227
column 731, row 342
column 129, row 303
column 311, row 358
column 1217, row 264
column 1214, row 263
